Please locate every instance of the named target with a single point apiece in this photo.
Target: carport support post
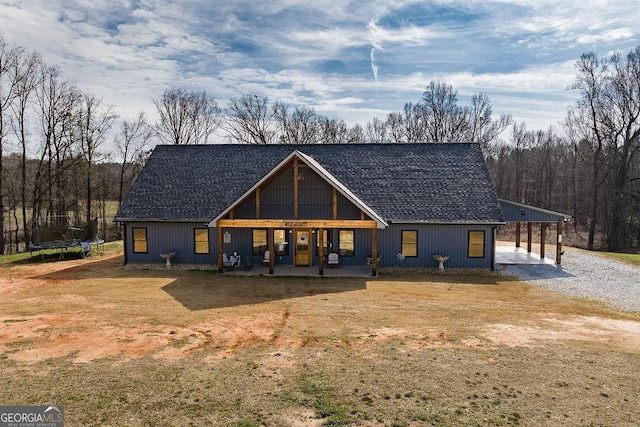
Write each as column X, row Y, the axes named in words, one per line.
column 543, row 238
column 517, row 234
column 529, row 233
column 559, row 242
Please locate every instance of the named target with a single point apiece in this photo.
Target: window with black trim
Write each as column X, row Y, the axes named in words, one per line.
column 476, row 244
column 410, row 243
column 280, row 243
column 201, row 240
column 140, row 245
column 346, row 245
column 327, row 239
column 259, row 245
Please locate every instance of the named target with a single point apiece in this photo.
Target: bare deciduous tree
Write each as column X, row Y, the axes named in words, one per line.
column 93, row 121
column 250, row 120
column 396, row 128
column 481, row 128
column 299, row 126
column 332, row 131
column 27, row 75
column 8, row 86
column 443, row 119
column 186, row 117
column 600, row 115
column 57, row 99
column 377, row 131
column 132, row 145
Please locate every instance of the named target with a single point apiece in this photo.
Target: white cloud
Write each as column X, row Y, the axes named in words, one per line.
column 520, row 53
column 606, row 36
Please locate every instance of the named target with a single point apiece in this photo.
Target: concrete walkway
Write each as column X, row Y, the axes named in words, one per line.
column 513, row 255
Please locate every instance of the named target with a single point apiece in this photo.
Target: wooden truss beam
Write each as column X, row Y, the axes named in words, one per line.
column 295, row 223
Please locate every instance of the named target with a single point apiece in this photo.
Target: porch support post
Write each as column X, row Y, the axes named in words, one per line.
column 559, row 242
column 272, row 254
column 220, row 249
column 529, row 233
column 374, row 252
column 543, row 238
column 518, row 234
column 321, row 251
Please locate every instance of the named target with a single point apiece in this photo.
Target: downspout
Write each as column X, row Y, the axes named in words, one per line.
column 493, row 249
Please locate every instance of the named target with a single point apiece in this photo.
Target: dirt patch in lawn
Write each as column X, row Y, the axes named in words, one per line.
column 410, row 349
column 95, row 310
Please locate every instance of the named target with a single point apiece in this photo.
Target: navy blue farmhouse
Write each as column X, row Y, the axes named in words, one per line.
column 392, row 205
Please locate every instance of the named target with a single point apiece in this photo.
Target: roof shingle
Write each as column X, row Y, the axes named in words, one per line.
column 438, row 183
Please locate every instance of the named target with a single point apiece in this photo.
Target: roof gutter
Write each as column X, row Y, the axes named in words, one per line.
column 403, row 221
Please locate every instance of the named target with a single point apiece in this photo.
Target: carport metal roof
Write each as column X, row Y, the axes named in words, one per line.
column 519, row 212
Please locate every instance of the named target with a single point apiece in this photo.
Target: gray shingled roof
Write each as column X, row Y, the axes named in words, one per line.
column 438, row 183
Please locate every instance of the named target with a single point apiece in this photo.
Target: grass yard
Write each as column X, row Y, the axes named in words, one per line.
column 624, row 257
column 133, row 347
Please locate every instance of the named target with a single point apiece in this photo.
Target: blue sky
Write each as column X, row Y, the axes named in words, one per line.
column 351, row 60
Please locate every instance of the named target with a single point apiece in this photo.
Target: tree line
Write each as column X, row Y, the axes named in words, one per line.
column 54, row 165
column 589, row 166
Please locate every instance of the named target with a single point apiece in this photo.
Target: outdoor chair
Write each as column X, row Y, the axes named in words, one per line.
column 265, row 258
column 333, row 260
column 370, row 259
column 229, row 263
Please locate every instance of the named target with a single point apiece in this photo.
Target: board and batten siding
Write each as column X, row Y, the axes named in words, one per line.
column 315, row 199
column 175, row 237
column 435, row 239
column 451, row 240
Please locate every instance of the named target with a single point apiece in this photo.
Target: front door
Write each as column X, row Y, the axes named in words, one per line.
column 303, row 247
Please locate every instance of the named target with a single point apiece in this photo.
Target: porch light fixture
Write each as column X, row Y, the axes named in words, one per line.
column 227, row 237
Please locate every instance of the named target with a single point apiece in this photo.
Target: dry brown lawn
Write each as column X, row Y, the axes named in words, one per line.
column 133, row 347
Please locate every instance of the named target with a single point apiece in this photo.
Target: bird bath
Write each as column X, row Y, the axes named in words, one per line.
column 441, row 259
column 167, row 257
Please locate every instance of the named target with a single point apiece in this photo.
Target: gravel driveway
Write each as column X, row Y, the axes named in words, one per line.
column 583, row 274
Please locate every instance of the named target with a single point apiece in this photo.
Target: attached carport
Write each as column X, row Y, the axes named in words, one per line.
column 530, row 216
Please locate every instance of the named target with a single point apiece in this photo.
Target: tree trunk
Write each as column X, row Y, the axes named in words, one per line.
column 618, row 231
column 23, row 191
column 2, row 240
column 594, row 201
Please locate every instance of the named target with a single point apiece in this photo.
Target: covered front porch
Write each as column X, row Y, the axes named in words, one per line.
column 307, row 250
column 303, row 201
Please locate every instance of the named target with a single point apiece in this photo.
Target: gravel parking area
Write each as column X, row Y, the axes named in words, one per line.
column 586, row 275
